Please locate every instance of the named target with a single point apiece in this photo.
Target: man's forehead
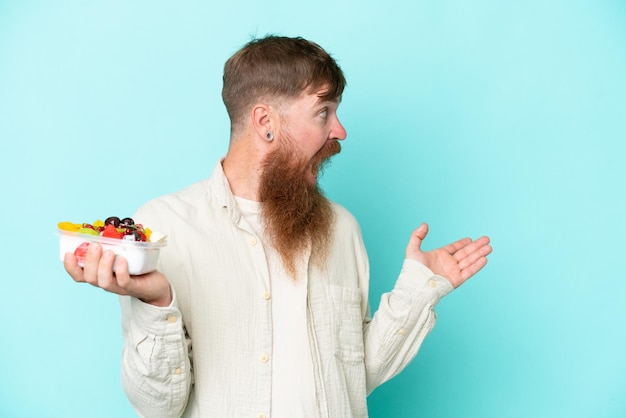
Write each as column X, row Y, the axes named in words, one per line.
column 313, row 98
column 321, row 96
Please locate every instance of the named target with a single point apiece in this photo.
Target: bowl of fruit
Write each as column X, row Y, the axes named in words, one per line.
column 138, row 245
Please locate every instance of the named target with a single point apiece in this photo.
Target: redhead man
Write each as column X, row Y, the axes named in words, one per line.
column 259, row 306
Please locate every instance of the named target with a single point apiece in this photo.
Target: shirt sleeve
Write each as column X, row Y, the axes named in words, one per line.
column 403, row 320
column 156, row 367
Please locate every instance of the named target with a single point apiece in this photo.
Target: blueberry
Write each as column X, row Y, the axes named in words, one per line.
column 127, row 222
column 112, row 220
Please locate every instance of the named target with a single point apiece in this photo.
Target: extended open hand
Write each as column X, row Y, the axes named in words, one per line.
column 457, row 261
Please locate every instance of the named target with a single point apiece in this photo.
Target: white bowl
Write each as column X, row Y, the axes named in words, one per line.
column 141, row 256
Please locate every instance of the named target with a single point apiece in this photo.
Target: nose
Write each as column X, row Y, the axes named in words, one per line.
column 338, row 132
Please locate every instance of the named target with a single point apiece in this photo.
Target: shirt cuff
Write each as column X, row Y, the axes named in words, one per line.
column 416, row 277
column 155, row 319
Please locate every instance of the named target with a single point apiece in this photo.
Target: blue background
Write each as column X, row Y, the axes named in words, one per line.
column 482, row 117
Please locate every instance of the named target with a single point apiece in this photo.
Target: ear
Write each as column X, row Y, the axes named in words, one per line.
column 262, row 120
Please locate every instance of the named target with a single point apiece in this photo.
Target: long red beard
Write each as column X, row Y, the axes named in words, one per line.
column 295, row 211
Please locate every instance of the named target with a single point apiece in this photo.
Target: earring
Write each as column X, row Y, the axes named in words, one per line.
column 269, row 136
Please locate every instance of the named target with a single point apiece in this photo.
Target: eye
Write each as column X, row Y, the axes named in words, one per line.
column 324, row 114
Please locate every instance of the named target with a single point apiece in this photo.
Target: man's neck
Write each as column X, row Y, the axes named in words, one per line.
column 243, row 167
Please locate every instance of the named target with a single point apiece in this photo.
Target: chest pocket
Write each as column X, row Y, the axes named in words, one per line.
column 348, row 324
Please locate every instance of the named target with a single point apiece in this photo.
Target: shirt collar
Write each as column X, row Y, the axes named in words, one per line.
column 221, row 191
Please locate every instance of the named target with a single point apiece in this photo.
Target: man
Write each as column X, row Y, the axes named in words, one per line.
column 259, row 306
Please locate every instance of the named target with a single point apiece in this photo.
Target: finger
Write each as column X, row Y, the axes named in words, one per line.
column 473, row 268
column 470, row 247
column 416, row 239
column 72, row 267
column 457, row 245
column 109, row 279
column 420, row 233
column 122, row 277
column 90, row 265
column 481, row 251
column 106, row 277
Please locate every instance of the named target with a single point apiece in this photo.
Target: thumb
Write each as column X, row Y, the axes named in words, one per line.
column 417, row 237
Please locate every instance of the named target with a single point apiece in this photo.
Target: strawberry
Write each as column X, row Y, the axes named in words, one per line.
column 81, row 252
column 111, row 231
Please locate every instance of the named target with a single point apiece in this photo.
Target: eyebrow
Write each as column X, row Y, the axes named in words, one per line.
column 321, row 101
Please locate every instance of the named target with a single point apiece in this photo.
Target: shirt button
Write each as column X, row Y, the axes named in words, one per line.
column 171, row 319
column 261, row 415
column 266, row 295
column 264, row 358
column 432, row 283
column 401, row 332
column 178, row 371
column 253, row 241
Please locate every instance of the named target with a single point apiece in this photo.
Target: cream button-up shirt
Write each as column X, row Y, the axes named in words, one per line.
column 209, row 354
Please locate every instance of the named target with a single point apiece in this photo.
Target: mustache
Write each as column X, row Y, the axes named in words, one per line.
column 331, row 148
column 322, row 157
